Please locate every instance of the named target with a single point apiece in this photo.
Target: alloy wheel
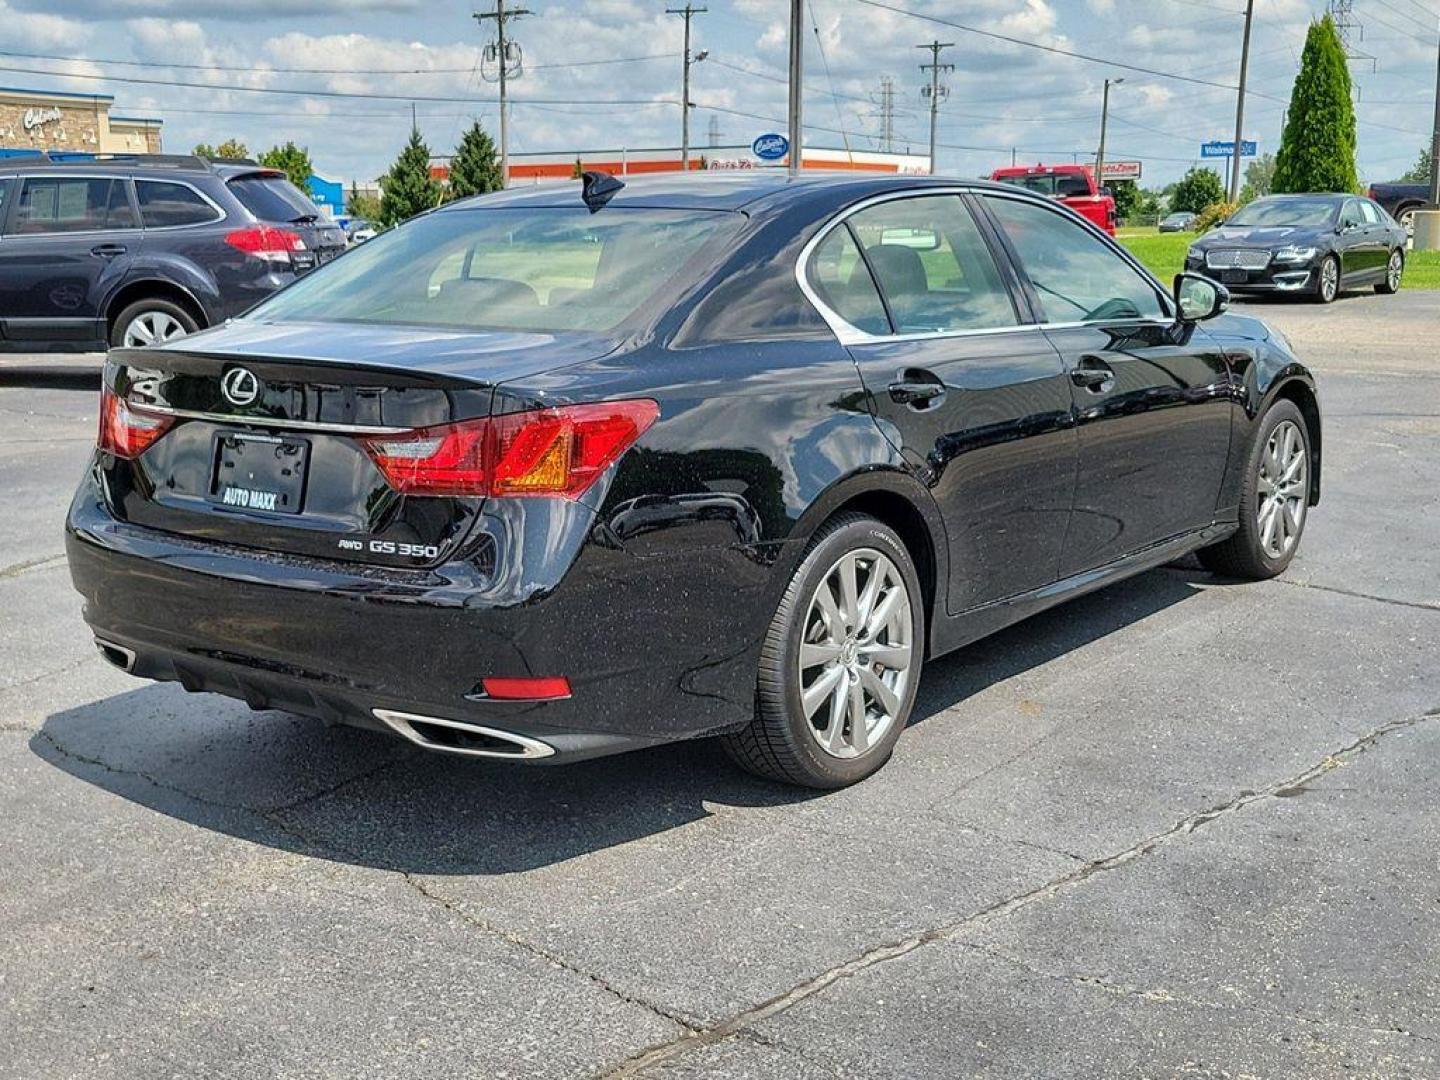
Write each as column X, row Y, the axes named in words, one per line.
column 1283, row 490
column 152, row 328
column 1393, row 271
column 1329, row 279
column 856, row 653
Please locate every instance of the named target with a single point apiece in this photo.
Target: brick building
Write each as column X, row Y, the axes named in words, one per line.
column 32, row 120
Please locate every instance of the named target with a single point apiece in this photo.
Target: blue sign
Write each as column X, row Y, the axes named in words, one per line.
column 1226, row 148
column 771, row 147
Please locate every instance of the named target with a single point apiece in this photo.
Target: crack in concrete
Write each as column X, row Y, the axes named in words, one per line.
column 1165, row 997
column 1419, row 604
column 44, row 675
column 879, row 954
column 16, row 569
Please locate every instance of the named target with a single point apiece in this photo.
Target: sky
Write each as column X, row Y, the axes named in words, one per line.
column 1002, row 97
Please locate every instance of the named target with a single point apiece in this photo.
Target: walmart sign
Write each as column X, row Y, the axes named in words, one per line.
column 1226, row 148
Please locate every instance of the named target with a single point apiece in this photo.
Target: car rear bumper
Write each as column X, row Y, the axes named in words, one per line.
column 372, row 648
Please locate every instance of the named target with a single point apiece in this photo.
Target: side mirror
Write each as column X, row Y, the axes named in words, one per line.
column 1198, row 298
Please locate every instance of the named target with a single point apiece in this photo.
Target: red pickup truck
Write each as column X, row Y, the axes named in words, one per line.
column 1074, row 185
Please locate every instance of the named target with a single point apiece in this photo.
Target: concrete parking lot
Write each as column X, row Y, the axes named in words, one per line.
column 1183, row 827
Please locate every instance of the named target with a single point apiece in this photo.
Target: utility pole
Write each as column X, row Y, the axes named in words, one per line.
column 688, row 12
column 1236, row 158
column 797, row 83
column 935, row 92
column 1104, row 123
column 502, row 52
column 1435, row 144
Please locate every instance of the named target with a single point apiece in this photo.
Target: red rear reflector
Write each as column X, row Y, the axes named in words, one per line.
column 126, row 433
column 548, row 689
column 266, row 242
column 556, row 452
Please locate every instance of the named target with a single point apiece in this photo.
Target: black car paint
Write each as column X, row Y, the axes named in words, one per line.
column 1363, row 251
column 59, row 291
column 653, row 593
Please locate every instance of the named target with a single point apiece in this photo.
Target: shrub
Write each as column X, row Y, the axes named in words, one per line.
column 1214, row 214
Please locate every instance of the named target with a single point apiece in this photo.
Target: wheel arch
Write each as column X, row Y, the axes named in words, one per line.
column 1302, row 394
column 154, row 289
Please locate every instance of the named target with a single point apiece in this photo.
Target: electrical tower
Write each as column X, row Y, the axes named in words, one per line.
column 500, row 61
column 1351, row 31
column 884, row 100
column 712, row 135
column 936, row 91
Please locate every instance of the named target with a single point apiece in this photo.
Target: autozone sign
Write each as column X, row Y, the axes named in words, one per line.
column 1121, row 170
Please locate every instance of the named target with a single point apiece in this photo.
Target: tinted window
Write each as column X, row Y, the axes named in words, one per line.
column 73, row 204
column 5, row 185
column 932, row 265
column 536, row 269
column 164, row 204
column 272, row 198
column 1285, row 211
column 1078, row 277
column 840, row 276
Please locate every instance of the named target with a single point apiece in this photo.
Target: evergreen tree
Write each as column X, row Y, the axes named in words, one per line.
column 1317, row 149
column 1419, row 173
column 408, row 188
column 293, row 161
column 1200, row 188
column 475, row 168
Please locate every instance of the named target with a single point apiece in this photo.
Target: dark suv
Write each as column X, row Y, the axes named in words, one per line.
column 140, row 249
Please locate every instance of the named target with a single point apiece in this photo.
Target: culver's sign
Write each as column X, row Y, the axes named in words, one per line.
column 770, row 147
column 35, row 118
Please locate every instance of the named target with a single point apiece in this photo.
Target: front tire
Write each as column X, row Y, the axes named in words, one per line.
column 1327, row 280
column 1394, row 269
column 1273, row 500
column 840, row 663
column 151, row 322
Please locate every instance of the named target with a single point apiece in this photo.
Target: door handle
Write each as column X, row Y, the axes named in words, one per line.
column 107, row 250
column 919, row 390
column 1093, row 374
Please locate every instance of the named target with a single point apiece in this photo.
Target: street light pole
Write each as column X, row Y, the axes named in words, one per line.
column 797, row 75
column 1104, row 124
column 687, row 12
column 1240, row 104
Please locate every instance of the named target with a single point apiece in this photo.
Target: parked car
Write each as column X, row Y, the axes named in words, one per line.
column 358, row 231
column 1073, row 185
column 544, row 476
column 136, row 249
column 1318, row 245
column 1182, row 221
column 1401, row 201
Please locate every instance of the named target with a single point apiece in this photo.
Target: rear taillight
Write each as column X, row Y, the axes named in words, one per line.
column 550, row 688
column 266, row 242
column 555, row 452
column 126, row 433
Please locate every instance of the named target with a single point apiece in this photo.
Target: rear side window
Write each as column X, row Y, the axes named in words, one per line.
column 541, row 269
column 73, row 204
column 272, row 198
column 164, row 204
column 933, row 266
column 5, row 185
column 841, row 278
column 1078, row 277
column 1373, row 214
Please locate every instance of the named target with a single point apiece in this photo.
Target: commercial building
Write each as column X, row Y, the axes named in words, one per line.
column 537, row 168
column 34, row 120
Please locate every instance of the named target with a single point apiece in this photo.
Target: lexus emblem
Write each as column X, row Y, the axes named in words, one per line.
column 240, row 386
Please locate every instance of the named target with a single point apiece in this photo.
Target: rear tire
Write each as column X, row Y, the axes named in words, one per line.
column 151, row 322
column 1327, row 280
column 1394, row 269
column 1272, row 514
column 855, row 607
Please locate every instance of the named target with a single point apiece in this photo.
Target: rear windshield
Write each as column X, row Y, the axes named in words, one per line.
column 1063, row 185
column 1274, row 212
column 533, row 269
column 273, row 198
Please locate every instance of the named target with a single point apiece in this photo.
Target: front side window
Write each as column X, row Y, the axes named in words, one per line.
column 843, row 281
column 164, row 204
column 1078, row 277
column 1350, row 215
column 540, row 269
column 932, row 265
column 73, row 204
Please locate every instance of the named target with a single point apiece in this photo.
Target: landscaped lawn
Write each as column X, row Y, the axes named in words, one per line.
column 1164, row 254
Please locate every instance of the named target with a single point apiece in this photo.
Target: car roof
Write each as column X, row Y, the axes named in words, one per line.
column 723, row 190
column 135, row 164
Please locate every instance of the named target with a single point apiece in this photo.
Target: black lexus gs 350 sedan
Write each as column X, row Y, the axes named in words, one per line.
column 556, row 473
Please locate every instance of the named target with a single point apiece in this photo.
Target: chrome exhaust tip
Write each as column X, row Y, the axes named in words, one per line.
column 118, row 655
column 458, row 737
